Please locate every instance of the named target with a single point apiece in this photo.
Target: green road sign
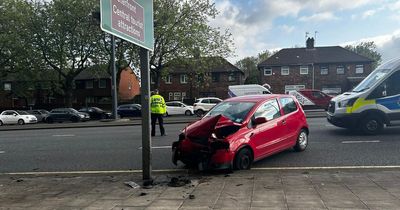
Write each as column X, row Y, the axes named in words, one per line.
column 131, row 20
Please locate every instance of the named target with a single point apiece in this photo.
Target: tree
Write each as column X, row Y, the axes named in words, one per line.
column 67, row 38
column 249, row 66
column 182, row 30
column 367, row 49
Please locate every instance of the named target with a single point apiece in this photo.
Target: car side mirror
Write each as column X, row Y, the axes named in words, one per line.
column 15, row 115
column 260, row 120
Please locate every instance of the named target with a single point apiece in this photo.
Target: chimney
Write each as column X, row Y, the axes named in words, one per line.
column 310, row 43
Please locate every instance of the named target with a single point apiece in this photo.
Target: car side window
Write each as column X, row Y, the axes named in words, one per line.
column 389, row 87
column 317, row 94
column 269, row 110
column 205, row 101
column 288, row 105
column 214, row 101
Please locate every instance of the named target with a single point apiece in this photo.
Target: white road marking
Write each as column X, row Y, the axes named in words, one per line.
column 184, row 170
column 159, row 147
column 360, row 142
column 64, row 135
column 2, row 152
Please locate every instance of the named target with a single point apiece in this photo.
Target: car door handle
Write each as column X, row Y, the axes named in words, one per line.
column 251, row 134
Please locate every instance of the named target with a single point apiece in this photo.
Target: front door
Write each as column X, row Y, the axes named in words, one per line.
column 389, row 92
column 266, row 137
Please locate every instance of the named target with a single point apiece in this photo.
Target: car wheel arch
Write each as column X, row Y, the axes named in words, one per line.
column 378, row 113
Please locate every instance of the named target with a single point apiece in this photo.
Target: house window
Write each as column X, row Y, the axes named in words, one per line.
column 90, row 100
column 7, row 86
column 184, row 79
column 359, row 69
column 183, row 95
column 324, row 70
column 285, row 70
column 168, row 79
column 303, row 69
column 89, row 84
column 102, row 83
column 231, row 77
column 340, row 70
column 170, row 96
column 267, row 71
column 177, row 96
column 215, row 77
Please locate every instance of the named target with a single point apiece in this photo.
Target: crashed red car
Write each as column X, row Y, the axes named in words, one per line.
column 241, row 130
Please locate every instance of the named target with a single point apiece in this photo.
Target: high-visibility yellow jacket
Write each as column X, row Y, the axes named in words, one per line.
column 157, row 104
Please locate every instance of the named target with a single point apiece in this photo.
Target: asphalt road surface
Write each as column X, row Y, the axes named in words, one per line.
column 119, row 148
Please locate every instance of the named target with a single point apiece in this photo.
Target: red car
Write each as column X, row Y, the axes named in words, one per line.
column 241, row 130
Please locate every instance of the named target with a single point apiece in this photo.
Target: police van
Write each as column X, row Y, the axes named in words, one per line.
column 372, row 104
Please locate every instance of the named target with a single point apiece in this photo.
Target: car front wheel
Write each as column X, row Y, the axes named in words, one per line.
column 1, row 123
column 21, row 122
column 188, row 113
column 302, row 141
column 371, row 125
column 243, row 159
column 199, row 112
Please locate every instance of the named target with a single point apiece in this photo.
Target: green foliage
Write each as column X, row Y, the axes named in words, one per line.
column 367, row 49
column 182, row 30
column 249, row 66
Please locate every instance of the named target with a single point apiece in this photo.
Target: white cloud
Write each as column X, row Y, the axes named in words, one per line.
column 325, row 16
column 287, row 29
column 368, row 13
column 388, row 45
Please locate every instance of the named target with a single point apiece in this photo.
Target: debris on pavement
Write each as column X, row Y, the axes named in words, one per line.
column 132, row 184
column 19, row 180
column 191, row 196
column 178, row 182
column 142, row 194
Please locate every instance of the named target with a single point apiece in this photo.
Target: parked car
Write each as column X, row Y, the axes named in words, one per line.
column 66, row 114
column 177, row 107
column 203, row 105
column 309, row 98
column 16, row 117
column 96, row 113
column 241, row 130
column 40, row 114
column 129, row 110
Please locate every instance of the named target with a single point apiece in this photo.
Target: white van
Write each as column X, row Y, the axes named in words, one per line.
column 241, row 90
column 373, row 103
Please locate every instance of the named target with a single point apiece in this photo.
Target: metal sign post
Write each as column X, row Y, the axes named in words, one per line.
column 132, row 20
column 113, row 80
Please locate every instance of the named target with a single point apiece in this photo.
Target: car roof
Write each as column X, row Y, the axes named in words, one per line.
column 256, row 98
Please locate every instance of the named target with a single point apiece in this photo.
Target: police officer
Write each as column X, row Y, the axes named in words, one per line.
column 158, row 109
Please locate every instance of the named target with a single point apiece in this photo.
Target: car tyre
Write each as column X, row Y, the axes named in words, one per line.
column 49, row 120
column 21, row 122
column 243, row 159
column 74, row 119
column 302, row 141
column 188, row 113
column 199, row 112
column 371, row 125
column 1, row 123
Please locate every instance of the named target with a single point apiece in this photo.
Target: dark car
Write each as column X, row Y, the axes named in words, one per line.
column 40, row 114
column 96, row 113
column 129, row 110
column 66, row 114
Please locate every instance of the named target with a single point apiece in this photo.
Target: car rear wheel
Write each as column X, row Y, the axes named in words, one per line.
column 199, row 112
column 243, row 159
column 371, row 125
column 21, row 122
column 1, row 123
column 302, row 141
column 188, row 113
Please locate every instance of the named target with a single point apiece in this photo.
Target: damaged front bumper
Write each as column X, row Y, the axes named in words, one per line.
column 216, row 155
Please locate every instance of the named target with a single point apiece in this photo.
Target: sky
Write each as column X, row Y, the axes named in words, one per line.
column 259, row 25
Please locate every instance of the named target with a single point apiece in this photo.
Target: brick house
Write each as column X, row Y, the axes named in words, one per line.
column 332, row 69
column 210, row 77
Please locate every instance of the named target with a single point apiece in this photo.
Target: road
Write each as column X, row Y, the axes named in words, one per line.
column 119, row 148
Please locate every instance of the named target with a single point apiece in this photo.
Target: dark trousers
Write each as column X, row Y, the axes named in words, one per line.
column 154, row 118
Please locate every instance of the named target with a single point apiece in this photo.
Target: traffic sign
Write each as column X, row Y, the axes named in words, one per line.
column 131, row 20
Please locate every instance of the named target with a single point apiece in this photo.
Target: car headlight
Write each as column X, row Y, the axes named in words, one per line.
column 347, row 103
column 81, row 115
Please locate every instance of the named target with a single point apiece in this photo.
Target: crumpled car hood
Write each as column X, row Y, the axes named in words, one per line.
column 219, row 124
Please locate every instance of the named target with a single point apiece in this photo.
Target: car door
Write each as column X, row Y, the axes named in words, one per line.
column 7, row 117
column 14, row 117
column 388, row 95
column 266, row 138
column 290, row 118
column 173, row 108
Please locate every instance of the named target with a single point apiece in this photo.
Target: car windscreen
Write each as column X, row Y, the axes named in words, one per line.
column 371, row 80
column 234, row 110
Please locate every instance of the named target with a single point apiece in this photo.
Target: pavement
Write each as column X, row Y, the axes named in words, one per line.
column 253, row 189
